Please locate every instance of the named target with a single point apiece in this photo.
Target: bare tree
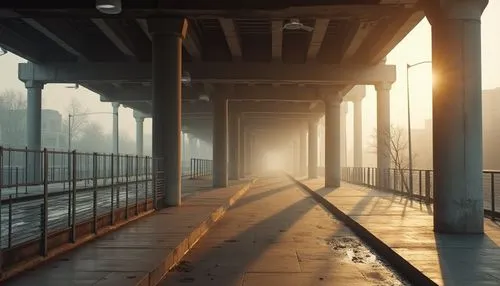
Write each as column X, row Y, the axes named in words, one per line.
column 78, row 121
column 12, row 100
column 12, row 118
column 396, row 144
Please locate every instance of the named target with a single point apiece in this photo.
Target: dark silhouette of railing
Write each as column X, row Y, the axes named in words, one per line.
column 422, row 187
column 200, row 168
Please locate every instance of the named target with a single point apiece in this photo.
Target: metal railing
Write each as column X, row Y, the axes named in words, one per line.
column 200, row 168
column 46, row 194
column 422, row 187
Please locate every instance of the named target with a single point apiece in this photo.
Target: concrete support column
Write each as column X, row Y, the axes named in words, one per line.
column 167, row 36
column 243, row 145
column 343, row 131
column 139, row 133
column 234, row 147
column 34, row 130
column 116, row 131
column 358, row 133
column 303, row 152
column 332, row 141
column 313, row 149
column 457, row 119
column 220, row 175
column 383, row 133
column 34, row 115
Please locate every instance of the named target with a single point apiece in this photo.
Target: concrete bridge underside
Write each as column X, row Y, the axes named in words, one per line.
column 166, row 58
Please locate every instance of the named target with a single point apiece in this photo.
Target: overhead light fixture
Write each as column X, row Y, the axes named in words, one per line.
column 186, row 78
column 204, row 97
column 109, row 6
column 2, row 51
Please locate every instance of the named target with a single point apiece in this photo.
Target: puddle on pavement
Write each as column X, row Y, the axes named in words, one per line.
column 373, row 268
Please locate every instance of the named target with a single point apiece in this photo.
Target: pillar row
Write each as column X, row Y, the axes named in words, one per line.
column 139, row 133
column 116, row 131
column 313, row 149
column 34, row 130
column 303, row 152
column 358, row 133
column 243, row 145
column 219, row 173
column 343, row 139
column 234, row 147
column 167, row 36
column 332, row 141
column 383, row 133
column 457, row 119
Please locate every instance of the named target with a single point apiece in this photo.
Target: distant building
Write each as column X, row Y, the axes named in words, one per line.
column 491, row 129
column 13, row 126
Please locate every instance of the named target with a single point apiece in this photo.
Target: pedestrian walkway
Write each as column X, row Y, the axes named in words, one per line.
column 407, row 228
column 277, row 235
column 142, row 251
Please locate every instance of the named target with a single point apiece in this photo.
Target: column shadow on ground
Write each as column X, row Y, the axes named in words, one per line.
column 249, row 244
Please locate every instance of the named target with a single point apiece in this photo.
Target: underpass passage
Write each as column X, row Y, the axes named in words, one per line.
column 277, row 235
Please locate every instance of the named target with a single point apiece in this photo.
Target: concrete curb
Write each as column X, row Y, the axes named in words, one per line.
column 401, row 265
column 174, row 257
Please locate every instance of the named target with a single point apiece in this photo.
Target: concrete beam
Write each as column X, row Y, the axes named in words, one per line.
column 197, row 109
column 358, row 33
column 397, row 31
column 277, row 39
column 232, row 38
column 317, row 37
column 356, row 93
column 281, row 116
column 110, row 31
column 67, row 44
column 192, row 43
column 241, row 93
column 224, row 73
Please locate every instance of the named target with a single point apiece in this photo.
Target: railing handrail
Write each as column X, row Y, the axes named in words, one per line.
column 415, row 170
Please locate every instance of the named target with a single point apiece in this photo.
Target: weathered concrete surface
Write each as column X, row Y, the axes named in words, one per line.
column 141, row 252
column 278, row 235
column 407, row 227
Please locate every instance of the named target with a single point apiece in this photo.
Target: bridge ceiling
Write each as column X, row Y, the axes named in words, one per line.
column 358, row 32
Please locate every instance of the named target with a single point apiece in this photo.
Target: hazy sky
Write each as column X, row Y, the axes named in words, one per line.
column 414, row 48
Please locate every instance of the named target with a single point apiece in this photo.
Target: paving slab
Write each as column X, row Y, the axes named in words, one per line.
column 407, row 228
column 277, row 235
column 142, row 251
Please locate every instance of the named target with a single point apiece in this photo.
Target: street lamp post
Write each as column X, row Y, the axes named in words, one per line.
column 70, row 116
column 410, row 157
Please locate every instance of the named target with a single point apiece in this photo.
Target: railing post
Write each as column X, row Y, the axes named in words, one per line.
column 428, row 186
column 118, row 181
column 45, row 208
column 9, row 244
column 94, row 206
column 420, row 183
column 146, row 189
column 493, row 196
column 112, row 189
column 17, row 181
column 69, row 188
column 136, row 185
column 1, row 186
column 127, row 165
column 73, row 203
column 191, row 169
